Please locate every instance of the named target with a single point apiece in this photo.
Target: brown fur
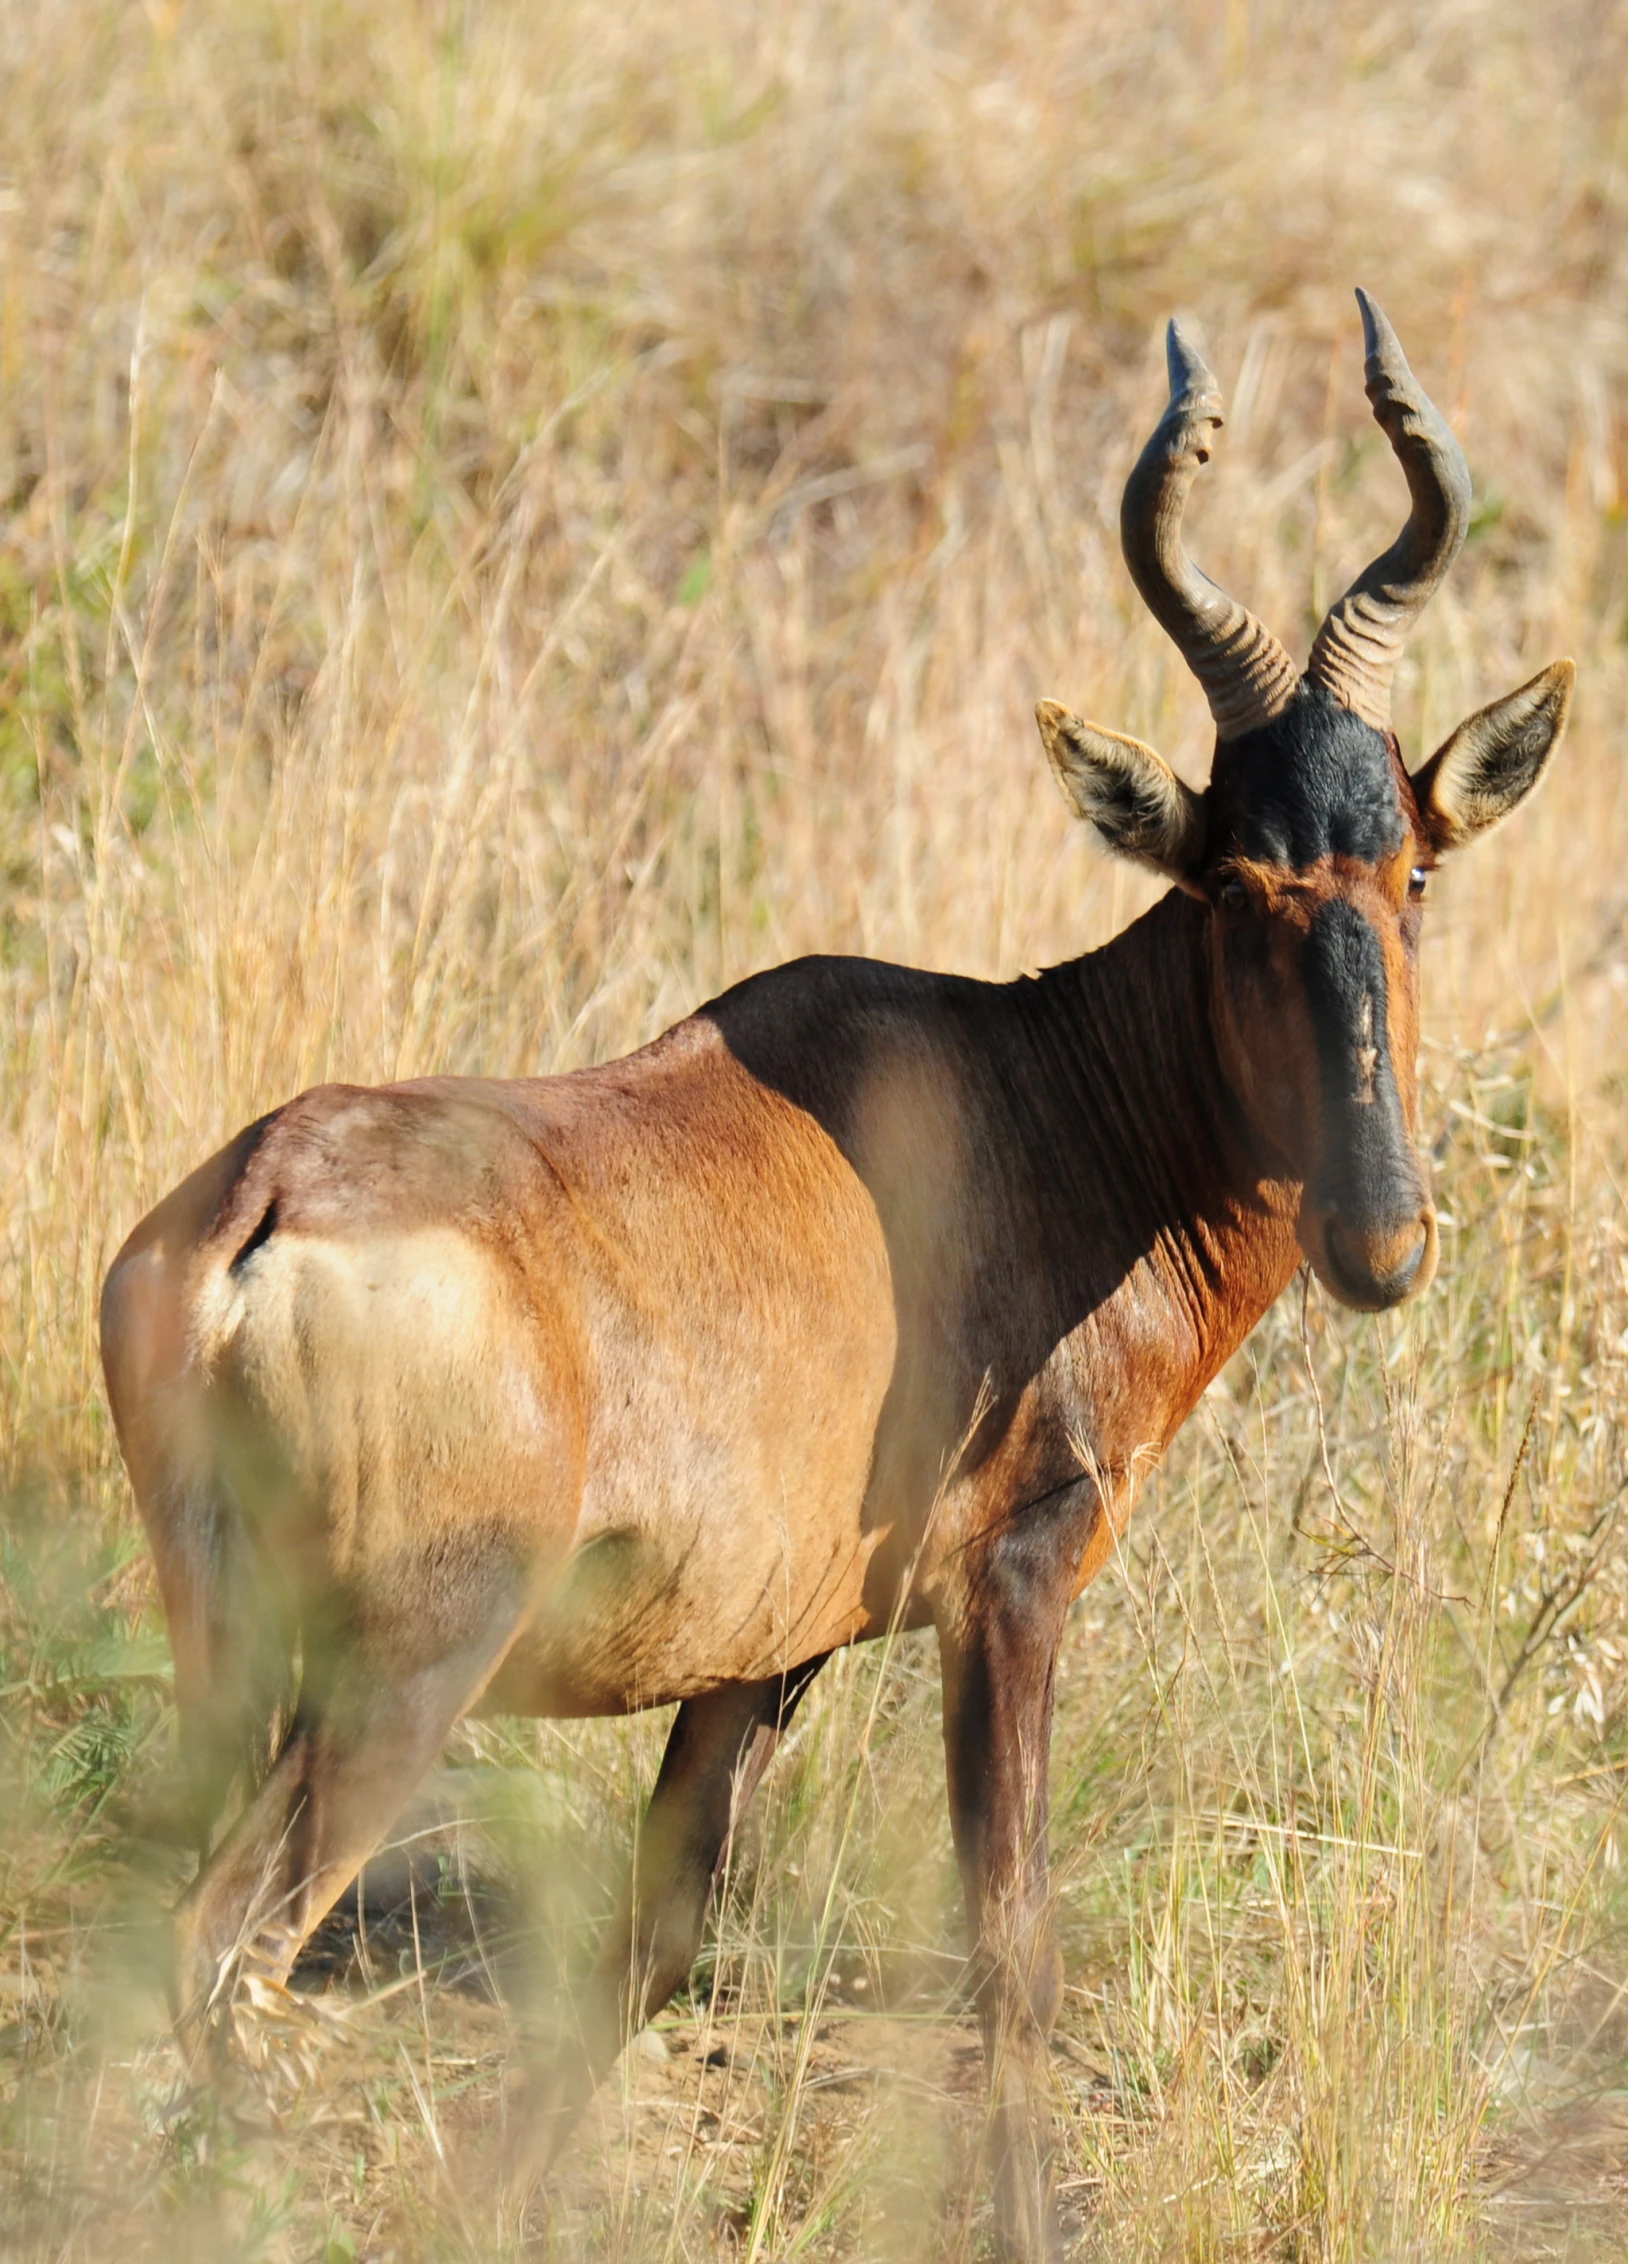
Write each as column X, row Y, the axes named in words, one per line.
column 863, row 1297
column 860, row 1295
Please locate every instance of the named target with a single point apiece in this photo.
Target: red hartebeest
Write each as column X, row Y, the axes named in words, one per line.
column 863, row 1294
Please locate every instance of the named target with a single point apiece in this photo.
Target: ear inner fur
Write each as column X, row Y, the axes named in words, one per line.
column 1494, row 759
column 1138, row 805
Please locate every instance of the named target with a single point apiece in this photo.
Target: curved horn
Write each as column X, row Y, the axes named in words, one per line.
column 1247, row 676
column 1360, row 643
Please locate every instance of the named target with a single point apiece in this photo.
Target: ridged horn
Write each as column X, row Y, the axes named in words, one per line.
column 1360, row 643
column 1247, row 676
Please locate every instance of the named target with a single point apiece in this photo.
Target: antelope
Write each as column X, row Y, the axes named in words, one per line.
column 862, row 1299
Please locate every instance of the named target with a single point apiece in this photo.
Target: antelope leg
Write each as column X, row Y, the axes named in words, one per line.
column 999, row 1655
column 717, row 1751
column 375, row 1707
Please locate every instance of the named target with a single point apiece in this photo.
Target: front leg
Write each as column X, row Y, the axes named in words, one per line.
column 998, row 1642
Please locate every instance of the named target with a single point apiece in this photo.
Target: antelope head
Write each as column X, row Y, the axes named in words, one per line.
column 1313, row 844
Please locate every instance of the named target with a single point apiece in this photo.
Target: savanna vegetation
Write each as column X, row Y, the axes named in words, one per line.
column 515, row 516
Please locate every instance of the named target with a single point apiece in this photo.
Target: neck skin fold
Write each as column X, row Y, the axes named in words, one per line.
column 1150, row 1159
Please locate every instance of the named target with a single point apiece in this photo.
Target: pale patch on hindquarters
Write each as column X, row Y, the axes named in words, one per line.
column 377, row 1392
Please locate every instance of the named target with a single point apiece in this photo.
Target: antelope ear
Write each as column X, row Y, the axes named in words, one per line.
column 1493, row 760
column 1130, row 794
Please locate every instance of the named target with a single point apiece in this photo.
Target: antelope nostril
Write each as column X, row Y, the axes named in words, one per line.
column 1389, row 1263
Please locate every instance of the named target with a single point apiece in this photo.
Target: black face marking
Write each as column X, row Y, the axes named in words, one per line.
column 1316, row 782
column 1369, row 1174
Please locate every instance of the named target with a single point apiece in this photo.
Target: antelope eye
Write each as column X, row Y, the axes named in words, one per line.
column 1233, row 893
column 1416, row 882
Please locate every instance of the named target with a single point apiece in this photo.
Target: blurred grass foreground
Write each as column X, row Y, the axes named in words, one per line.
column 515, row 516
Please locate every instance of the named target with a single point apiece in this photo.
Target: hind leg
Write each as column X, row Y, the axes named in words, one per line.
column 716, row 1754
column 228, row 1634
column 232, row 1646
column 376, row 1705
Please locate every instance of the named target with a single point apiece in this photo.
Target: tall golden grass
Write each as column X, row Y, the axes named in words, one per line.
column 516, row 517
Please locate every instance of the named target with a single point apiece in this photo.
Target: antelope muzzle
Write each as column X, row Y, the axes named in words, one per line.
column 1367, row 1222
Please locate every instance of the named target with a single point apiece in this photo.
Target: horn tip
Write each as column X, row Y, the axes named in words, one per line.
column 1379, row 340
column 1185, row 358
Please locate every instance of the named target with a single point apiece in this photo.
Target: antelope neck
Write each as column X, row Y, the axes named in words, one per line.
column 1139, row 1132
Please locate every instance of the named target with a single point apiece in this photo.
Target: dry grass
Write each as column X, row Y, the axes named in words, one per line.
column 517, row 516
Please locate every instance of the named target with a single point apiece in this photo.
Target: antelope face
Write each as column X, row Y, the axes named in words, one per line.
column 1312, row 846
column 1318, row 852
column 1314, row 875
